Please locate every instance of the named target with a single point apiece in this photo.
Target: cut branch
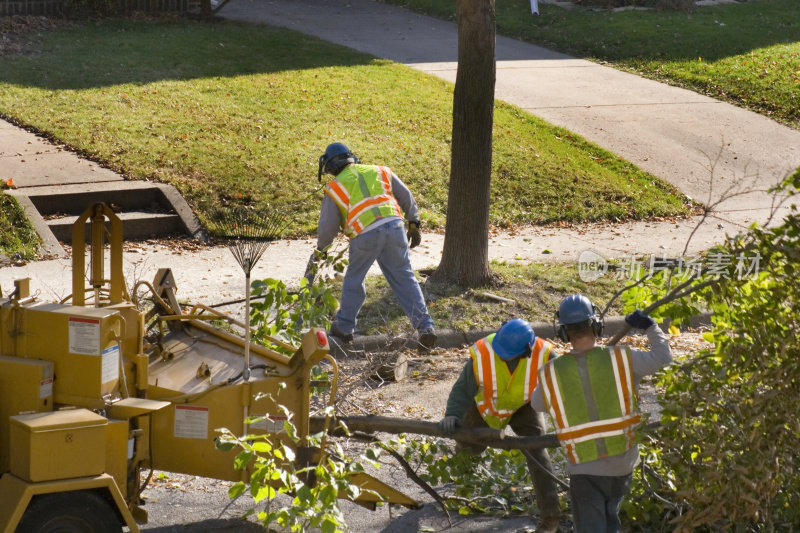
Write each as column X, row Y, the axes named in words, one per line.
column 484, row 436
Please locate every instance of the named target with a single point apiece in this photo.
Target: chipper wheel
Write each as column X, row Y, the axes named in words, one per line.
column 80, row 511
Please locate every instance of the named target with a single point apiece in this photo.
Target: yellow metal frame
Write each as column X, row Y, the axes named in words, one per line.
column 149, row 407
column 98, row 213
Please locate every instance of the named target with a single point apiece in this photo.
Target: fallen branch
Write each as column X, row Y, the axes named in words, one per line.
column 483, row 435
column 414, row 477
column 495, row 297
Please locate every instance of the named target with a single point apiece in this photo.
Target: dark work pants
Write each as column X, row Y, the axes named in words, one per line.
column 596, row 501
column 526, row 423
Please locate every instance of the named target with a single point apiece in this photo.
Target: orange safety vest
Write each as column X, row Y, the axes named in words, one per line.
column 363, row 194
column 500, row 392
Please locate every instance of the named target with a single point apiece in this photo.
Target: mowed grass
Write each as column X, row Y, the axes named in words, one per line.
column 18, row 239
column 747, row 53
column 238, row 114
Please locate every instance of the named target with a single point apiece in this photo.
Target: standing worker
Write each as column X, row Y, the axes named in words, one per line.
column 494, row 390
column 591, row 395
column 367, row 202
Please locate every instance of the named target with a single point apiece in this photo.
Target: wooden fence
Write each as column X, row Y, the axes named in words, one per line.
column 61, row 7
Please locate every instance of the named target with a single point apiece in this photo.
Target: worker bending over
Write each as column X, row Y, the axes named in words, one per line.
column 591, row 395
column 494, row 389
column 368, row 203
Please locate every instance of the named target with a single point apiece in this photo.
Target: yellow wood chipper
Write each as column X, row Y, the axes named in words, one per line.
column 95, row 392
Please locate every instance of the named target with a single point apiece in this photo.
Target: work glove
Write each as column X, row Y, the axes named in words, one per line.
column 311, row 266
column 448, row 424
column 414, row 237
column 639, row 320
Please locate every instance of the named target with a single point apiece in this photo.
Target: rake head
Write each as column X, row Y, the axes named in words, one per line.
column 248, row 232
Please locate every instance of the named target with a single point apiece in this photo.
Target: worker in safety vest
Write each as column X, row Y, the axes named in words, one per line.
column 494, row 389
column 368, row 203
column 591, row 396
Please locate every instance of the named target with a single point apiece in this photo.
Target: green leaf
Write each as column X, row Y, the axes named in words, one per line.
column 304, row 494
column 243, row 459
column 262, row 447
column 236, row 490
column 329, row 526
column 224, row 445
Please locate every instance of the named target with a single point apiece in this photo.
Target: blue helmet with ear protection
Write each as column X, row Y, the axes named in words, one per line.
column 514, row 338
column 574, row 309
column 336, row 157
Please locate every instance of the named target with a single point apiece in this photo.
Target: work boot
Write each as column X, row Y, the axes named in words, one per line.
column 427, row 340
column 336, row 333
column 548, row 524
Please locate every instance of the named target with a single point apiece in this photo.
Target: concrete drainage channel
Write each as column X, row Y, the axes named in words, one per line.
column 147, row 210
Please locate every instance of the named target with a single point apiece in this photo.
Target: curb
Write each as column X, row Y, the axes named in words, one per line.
column 460, row 339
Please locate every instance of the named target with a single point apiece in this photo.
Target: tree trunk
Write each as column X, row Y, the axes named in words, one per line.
column 465, row 256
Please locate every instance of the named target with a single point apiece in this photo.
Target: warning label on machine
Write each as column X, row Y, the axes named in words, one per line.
column 45, row 388
column 84, row 335
column 191, row 422
column 269, row 424
column 110, row 364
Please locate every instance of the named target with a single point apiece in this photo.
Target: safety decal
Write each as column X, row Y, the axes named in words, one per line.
column 110, row 364
column 191, row 422
column 45, row 388
column 84, row 336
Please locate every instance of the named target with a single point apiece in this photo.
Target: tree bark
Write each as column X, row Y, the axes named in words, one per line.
column 465, row 255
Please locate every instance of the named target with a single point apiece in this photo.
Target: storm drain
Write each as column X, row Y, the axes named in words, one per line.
column 147, row 210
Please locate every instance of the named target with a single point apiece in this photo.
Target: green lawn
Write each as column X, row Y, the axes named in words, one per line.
column 532, row 291
column 238, row 114
column 747, row 53
column 18, row 239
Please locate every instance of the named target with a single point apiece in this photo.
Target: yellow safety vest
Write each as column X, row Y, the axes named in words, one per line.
column 592, row 400
column 500, row 392
column 363, row 194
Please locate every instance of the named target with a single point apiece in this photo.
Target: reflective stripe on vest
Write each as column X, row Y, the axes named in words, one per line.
column 601, row 421
column 492, row 375
column 363, row 194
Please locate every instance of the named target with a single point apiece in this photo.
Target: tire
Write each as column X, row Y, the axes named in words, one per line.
column 70, row 512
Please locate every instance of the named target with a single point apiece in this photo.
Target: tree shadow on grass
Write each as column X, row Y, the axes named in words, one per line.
column 109, row 52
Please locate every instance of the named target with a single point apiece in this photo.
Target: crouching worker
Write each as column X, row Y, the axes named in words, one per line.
column 494, row 389
column 591, row 396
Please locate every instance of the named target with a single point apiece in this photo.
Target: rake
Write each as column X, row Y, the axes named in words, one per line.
column 248, row 233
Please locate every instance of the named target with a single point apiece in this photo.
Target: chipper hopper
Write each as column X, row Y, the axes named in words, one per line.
column 96, row 391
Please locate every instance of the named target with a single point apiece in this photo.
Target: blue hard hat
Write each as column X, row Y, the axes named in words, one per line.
column 514, row 338
column 576, row 308
column 336, row 157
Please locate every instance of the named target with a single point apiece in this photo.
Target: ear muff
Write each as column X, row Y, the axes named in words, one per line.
column 597, row 325
column 597, row 322
column 561, row 331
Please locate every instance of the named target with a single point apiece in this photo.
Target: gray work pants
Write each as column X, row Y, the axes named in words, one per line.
column 388, row 245
column 596, row 501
